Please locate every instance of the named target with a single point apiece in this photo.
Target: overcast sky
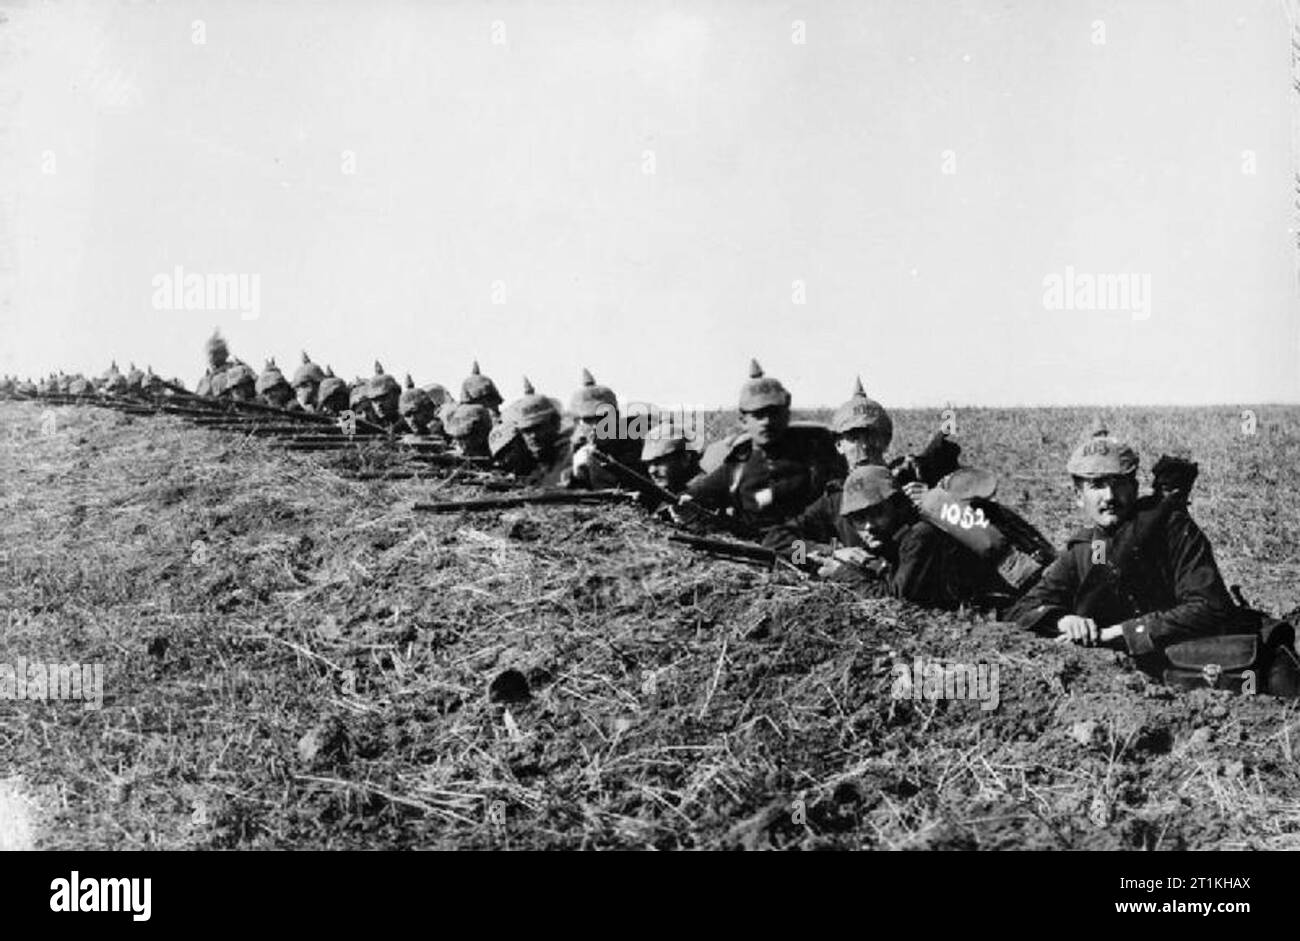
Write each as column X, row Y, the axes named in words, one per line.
column 660, row 191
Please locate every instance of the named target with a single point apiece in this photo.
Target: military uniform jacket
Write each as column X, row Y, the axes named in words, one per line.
column 927, row 567
column 1155, row 575
column 796, row 469
column 819, row 522
column 557, row 472
column 594, row 477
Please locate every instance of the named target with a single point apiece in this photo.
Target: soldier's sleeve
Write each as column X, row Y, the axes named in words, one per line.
column 1052, row 597
column 1201, row 606
column 919, row 574
column 712, row 489
column 815, row 524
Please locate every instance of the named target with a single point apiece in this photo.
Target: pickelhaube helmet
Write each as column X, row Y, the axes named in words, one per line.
column 270, row 378
column 438, row 394
column 865, row 487
column 134, row 377
column 240, row 374
column 382, row 384
column 761, row 391
column 1102, row 455
column 466, row 420
column 478, row 388
column 862, row 412
column 308, row 373
column 151, row 382
column 333, row 392
column 413, row 399
column 592, row 400
column 80, row 386
column 533, row 410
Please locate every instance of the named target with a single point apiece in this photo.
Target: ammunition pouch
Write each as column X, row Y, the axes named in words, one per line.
column 1263, row 661
column 1230, row 662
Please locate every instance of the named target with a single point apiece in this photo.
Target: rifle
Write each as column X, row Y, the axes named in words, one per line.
column 656, row 495
column 125, row 405
column 469, row 479
column 536, row 498
column 246, row 409
column 747, row 552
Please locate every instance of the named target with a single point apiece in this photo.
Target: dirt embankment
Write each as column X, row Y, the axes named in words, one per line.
column 293, row 659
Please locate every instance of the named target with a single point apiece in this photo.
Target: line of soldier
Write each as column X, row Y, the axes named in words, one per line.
column 1140, row 576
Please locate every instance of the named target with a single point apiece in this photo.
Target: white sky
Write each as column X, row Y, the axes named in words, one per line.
column 523, row 162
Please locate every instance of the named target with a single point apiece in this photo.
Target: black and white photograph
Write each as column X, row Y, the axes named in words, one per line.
column 695, row 425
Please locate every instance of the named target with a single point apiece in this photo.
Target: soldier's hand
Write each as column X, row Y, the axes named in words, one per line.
column 1078, row 630
column 1112, row 636
column 852, row 555
column 830, row 568
column 582, row 457
column 763, row 498
column 915, row 491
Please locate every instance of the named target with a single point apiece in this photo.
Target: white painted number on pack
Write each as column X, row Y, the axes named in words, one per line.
column 964, row 516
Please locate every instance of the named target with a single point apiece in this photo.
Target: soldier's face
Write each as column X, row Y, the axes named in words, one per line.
column 540, row 439
column 766, row 425
column 584, row 432
column 305, row 394
column 472, row 445
column 242, row 392
column 1106, row 501
column 671, row 472
column 386, row 406
column 278, row 396
column 859, row 446
column 217, row 358
column 877, row 524
column 415, row 423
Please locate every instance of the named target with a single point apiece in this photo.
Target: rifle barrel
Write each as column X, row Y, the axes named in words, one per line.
column 538, row 497
column 738, row 550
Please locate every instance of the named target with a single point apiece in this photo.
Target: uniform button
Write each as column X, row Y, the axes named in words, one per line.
column 1140, row 628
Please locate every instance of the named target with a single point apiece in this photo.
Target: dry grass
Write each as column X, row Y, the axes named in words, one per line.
column 296, row 660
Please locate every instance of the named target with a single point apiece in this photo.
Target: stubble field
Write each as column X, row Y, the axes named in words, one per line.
column 295, row 660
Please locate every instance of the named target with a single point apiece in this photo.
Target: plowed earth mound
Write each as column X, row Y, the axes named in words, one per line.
column 292, row 659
